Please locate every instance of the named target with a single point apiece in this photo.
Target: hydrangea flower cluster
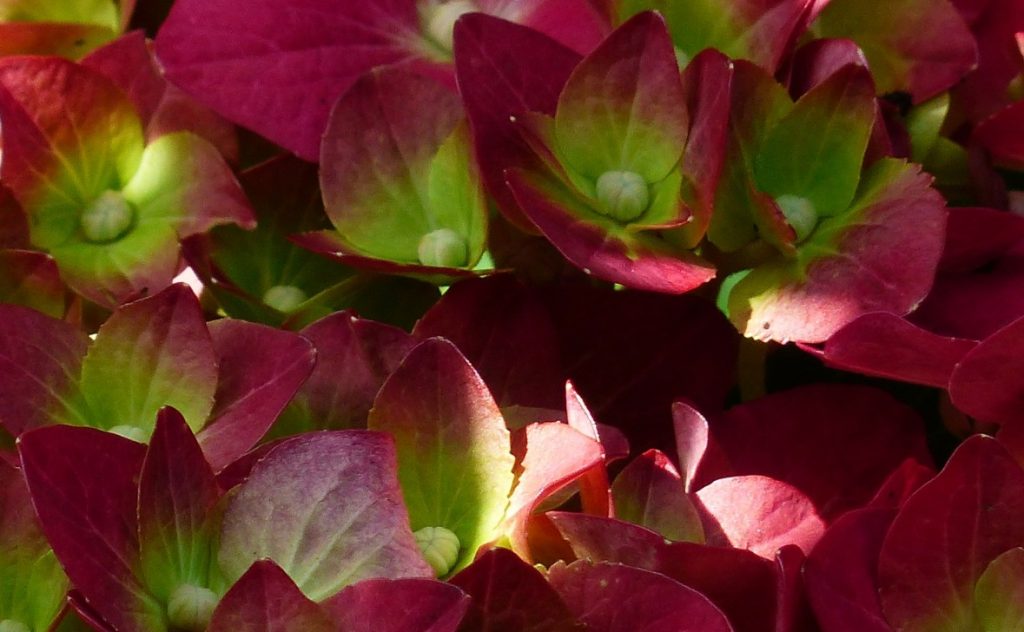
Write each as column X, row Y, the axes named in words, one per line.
column 532, row 315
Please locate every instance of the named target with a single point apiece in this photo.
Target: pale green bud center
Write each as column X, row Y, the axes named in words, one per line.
column 131, row 432
column 108, row 218
column 440, row 547
column 284, row 298
column 191, row 607
column 800, row 214
column 622, row 195
column 443, row 248
column 13, row 625
column 440, row 17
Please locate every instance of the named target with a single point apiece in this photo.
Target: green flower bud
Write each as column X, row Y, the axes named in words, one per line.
column 440, row 19
column 13, row 625
column 284, row 298
column 131, row 432
column 622, row 195
column 440, row 546
column 191, row 607
column 443, row 248
column 800, row 214
column 108, row 218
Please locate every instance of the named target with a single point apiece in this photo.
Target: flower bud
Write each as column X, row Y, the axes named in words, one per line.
column 443, row 248
column 800, row 214
column 284, row 298
column 622, row 195
column 440, row 20
column 108, row 218
column 131, row 432
column 440, row 547
column 13, row 625
column 191, row 607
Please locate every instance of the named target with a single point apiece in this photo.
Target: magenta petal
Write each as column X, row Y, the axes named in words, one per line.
column 398, row 605
column 887, row 345
column 163, row 108
column 40, row 358
column 613, row 598
column 693, row 440
column 316, row 503
column 595, row 489
column 841, row 575
column 608, row 252
column 1002, row 134
column 650, row 493
column 986, row 384
column 707, row 82
column 177, row 495
column 279, row 70
column 509, row 594
column 836, row 443
column 977, row 236
column 758, row 513
column 265, row 599
column 354, row 357
column 259, row 370
column 739, row 582
column 504, row 331
column 550, row 456
column 83, row 485
column 946, row 535
column 505, row 69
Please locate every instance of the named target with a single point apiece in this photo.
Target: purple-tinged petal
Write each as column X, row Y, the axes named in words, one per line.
column 177, row 495
column 83, row 484
column 602, row 247
column 505, row 332
column 623, row 107
column 397, row 605
column 977, row 236
column 595, row 489
column 354, row 357
column 31, row 279
column 737, row 581
column 378, row 165
column 792, row 612
column 577, row 24
column 693, row 442
column 907, row 53
column 328, row 509
column 615, row 598
column 152, row 353
column 40, row 359
column 887, row 345
column 14, row 230
column 550, row 456
column 946, row 535
column 278, row 70
column 650, row 493
column 986, row 383
column 503, row 70
column 880, row 255
column 759, row 514
column 454, row 463
column 817, row 60
column 265, row 599
column 259, row 370
column 509, row 594
column 163, row 108
column 901, row 484
column 835, row 443
column 707, row 83
column 841, row 572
